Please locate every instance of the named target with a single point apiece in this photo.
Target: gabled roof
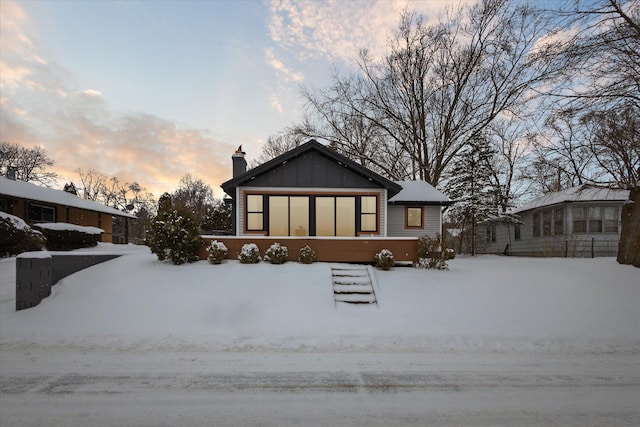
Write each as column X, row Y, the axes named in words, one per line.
column 420, row 193
column 36, row 193
column 313, row 145
column 582, row 193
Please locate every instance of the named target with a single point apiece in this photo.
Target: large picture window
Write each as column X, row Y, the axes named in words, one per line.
column 315, row 215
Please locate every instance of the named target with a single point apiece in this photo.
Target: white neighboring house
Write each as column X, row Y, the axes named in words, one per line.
column 582, row 221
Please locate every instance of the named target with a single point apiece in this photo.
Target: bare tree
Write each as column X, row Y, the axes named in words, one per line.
column 111, row 191
column 440, row 86
column 29, row 164
column 614, row 140
column 194, row 195
column 277, row 145
column 599, row 54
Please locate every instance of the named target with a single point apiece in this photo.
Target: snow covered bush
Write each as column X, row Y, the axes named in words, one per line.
column 61, row 236
column 276, row 254
column 217, row 252
column 384, row 259
column 173, row 234
column 249, row 254
column 17, row 237
column 433, row 253
column 307, row 255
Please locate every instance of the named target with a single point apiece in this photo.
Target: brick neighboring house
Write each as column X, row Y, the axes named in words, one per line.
column 581, row 221
column 346, row 212
column 36, row 204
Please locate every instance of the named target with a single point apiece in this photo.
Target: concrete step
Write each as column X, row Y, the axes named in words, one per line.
column 352, row 289
column 356, row 298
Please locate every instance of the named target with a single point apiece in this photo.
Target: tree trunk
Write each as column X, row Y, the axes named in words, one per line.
column 629, row 246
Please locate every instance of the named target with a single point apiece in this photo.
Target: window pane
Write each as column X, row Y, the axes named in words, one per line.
column 254, row 221
column 254, row 203
column 558, row 221
column 414, row 217
column 299, row 216
column 611, row 217
column 611, row 212
column 536, row 225
column 345, row 216
column 579, row 213
column 368, row 222
column 579, row 226
column 278, row 215
column 595, row 213
column 369, row 204
column 516, row 231
column 325, row 216
column 595, row 226
column 546, row 223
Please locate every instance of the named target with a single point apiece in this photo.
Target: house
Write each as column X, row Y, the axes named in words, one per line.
column 314, row 196
column 36, row 204
column 582, row 221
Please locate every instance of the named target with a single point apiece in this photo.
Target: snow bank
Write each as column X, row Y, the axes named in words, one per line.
column 17, row 222
column 485, row 303
column 64, row 226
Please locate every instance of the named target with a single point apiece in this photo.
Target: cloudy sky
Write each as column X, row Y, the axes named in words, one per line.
column 151, row 90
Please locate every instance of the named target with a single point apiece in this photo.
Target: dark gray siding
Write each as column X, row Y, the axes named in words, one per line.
column 312, row 169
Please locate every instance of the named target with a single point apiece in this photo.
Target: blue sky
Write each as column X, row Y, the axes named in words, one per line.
column 152, row 90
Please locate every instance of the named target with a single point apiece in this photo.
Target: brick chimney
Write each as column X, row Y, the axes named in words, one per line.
column 239, row 163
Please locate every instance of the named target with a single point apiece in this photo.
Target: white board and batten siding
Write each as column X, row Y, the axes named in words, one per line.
column 396, row 224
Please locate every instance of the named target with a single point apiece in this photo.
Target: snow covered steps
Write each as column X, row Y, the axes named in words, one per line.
column 352, row 284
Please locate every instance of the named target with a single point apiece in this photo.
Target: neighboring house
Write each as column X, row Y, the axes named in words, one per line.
column 581, row 221
column 36, row 204
column 312, row 192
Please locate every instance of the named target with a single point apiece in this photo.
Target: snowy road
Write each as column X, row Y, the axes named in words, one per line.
column 96, row 388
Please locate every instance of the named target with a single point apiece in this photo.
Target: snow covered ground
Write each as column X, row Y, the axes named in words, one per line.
column 493, row 341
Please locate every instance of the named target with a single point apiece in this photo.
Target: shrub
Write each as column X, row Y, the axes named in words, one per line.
column 66, row 237
column 17, row 236
column 433, row 253
column 173, row 234
column 276, row 254
column 307, row 255
column 217, row 252
column 384, row 259
column 249, row 254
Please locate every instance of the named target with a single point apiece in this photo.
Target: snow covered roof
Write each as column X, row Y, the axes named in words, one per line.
column 26, row 190
column 582, row 193
column 419, row 192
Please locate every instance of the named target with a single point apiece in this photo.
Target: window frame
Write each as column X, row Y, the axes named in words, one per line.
column 257, row 212
column 362, row 214
column 407, row 225
column 41, row 208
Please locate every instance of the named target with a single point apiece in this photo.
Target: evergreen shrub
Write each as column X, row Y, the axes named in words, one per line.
column 217, row 252
column 433, row 253
column 67, row 240
column 249, row 254
column 306, row 255
column 276, row 254
column 173, row 234
column 17, row 237
column 384, row 259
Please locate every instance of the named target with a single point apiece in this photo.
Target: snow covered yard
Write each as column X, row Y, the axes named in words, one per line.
column 495, row 340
